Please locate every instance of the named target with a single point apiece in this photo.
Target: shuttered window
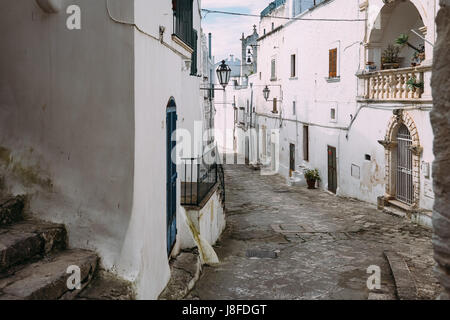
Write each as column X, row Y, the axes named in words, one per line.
column 273, row 74
column 333, row 63
column 183, row 20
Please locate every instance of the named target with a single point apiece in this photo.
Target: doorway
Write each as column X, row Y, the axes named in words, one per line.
column 404, row 170
column 171, row 187
column 291, row 159
column 332, row 169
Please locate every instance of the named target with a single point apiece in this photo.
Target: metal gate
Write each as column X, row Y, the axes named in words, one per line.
column 404, row 185
column 171, row 125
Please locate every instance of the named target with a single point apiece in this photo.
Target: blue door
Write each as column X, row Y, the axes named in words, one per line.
column 171, row 125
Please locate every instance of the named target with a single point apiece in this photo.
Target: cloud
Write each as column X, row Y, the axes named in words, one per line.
column 227, row 30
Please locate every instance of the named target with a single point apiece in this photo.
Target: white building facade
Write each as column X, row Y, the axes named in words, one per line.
column 340, row 106
column 90, row 92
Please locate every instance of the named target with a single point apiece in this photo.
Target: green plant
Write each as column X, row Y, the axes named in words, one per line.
column 403, row 40
column 390, row 55
column 312, row 174
column 412, row 84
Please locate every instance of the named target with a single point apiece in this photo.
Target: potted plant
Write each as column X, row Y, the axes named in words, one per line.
column 413, row 84
column 312, row 176
column 389, row 58
column 370, row 66
column 419, row 55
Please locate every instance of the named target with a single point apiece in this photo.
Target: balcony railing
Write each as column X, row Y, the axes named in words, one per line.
column 199, row 177
column 395, row 84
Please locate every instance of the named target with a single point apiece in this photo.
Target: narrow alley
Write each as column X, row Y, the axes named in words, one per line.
column 316, row 245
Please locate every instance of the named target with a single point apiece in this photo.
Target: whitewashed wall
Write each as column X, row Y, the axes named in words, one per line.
column 315, row 95
column 84, row 113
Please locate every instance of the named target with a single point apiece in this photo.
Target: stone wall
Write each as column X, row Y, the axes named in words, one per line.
column 441, row 126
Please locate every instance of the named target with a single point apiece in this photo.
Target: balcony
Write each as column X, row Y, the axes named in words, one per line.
column 405, row 84
column 199, row 178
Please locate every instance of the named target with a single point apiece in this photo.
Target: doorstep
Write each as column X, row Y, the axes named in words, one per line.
column 185, row 270
column 396, row 208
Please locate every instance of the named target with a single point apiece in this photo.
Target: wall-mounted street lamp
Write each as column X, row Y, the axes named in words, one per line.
column 223, row 74
column 266, row 93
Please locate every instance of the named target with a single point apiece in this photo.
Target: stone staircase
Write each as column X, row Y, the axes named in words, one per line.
column 34, row 257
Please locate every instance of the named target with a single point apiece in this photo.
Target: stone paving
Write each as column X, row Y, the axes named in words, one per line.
column 323, row 244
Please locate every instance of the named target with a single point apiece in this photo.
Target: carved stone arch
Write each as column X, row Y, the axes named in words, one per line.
column 387, row 5
column 402, row 117
column 380, row 16
column 390, row 145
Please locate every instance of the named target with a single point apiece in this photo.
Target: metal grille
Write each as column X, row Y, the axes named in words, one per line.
column 405, row 188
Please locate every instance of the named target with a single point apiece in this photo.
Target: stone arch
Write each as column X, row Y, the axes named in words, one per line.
column 386, row 21
column 390, row 145
column 405, row 118
column 387, row 7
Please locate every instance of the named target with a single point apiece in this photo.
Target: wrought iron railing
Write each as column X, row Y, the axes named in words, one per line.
column 221, row 176
column 198, row 177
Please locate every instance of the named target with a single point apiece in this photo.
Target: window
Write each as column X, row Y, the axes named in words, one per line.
column 333, row 63
column 333, row 114
column 273, row 25
column 293, row 65
column 275, row 109
column 294, row 108
column 300, row 6
column 182, row 21
column 273, row 73
column 260, row 76
column 306, row 143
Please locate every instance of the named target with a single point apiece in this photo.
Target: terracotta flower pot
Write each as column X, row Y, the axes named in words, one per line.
column 311, row 184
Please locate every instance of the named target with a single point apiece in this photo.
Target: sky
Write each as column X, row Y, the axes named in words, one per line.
column 227, row 30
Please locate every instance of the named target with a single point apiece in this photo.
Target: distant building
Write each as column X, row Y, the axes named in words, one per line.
column 249, row 54
column 340, row 105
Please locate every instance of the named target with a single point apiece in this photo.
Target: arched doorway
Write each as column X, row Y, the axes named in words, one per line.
column 171, row 188
column 404, row 166
column 403, row 155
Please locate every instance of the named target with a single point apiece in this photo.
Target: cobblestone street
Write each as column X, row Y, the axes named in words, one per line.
column 321, row 245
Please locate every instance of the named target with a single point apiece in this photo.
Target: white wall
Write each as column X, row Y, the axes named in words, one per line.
column 71, row 135
column 315, row 95
column 83, row 114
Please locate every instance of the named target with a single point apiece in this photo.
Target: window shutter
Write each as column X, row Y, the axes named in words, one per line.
column 273, row 70
column 333, row 63
column 183, row 20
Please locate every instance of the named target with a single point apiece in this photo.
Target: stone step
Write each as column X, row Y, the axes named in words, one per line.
column 47, row 278
column 29, row 239
column 11, row 209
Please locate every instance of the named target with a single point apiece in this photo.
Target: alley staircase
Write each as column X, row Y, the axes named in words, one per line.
column 34, row 257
